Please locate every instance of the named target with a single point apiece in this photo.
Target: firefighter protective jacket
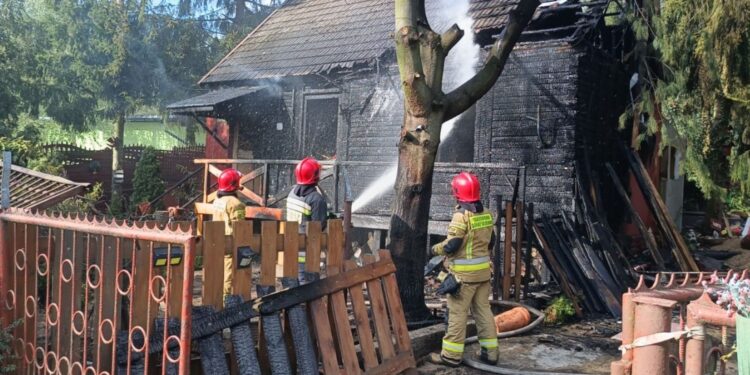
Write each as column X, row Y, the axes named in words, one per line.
column 471, row 233
column 228, row 208
column 306, row 203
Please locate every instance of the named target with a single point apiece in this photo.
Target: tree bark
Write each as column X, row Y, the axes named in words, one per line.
column 421, row 53
column 117, row 159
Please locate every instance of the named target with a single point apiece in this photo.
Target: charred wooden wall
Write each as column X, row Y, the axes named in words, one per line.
column 571, row 91
column 528, row 119
column 554, row 107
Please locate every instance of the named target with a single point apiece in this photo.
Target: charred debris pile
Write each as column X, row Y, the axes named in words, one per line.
column 584, row 253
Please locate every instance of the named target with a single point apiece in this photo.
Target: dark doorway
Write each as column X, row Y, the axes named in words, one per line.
column 321, row 125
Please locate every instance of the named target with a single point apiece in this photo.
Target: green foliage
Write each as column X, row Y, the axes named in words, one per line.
column 85, row 204
column 694, row 61
column 560, row 311
column 147, row 183
column 6, row 350
column 117, row 205
column 706, row 93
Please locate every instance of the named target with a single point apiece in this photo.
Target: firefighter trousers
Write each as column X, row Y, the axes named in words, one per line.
column 474, row 298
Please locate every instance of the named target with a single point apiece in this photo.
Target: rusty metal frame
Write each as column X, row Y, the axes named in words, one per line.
column 648, row 310
column 34, row 356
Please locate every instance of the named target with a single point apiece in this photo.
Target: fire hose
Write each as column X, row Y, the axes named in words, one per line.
column 504, row 370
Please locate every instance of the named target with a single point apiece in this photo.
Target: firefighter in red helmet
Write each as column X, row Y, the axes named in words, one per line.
column 306, row 202
column 228, row 208
column 467, row 258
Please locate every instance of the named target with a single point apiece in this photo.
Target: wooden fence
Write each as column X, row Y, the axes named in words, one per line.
column 107, row 297
column 92, row 166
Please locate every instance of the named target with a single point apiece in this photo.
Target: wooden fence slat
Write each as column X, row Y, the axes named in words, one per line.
column 243, row 277
column 335, row 255
column 380, row 316
column 362, row 320
column 312, row 247
column 269, row 230
column 322, row 327
column 341, row 322
column 291, row 249
column 268, row 256
column 396, row 310
column 213, row 263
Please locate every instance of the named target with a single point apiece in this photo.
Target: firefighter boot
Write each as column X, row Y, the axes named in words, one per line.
column 488, row 356
column 438, row 359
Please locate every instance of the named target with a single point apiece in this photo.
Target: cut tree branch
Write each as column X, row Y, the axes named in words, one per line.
column 463, row 97
column 451, row 37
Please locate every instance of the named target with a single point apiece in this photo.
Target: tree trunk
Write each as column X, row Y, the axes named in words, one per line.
column 117, row 162
column 421, row 53
column 239, row 13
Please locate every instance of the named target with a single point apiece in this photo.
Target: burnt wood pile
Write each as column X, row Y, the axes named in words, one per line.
column 583, row 251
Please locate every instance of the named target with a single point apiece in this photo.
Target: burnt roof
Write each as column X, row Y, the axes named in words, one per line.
column 36, row 190
column 306, row 37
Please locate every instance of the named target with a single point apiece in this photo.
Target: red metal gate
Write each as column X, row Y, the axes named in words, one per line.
column 80, row 285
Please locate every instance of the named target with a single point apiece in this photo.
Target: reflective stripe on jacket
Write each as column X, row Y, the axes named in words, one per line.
column 471, row 263
column 306, row 203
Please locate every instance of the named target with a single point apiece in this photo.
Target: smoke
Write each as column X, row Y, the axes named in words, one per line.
column 460, row 66
column 462, row 60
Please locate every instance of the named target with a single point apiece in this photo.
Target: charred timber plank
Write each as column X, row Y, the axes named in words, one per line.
column 527, row 257
column 648, row 238
column 659, row 209
column 519, row 250
column 557, row 270
column 507, row 249
column 597, row 233
column 556, row 240
column 284, row 299
column 595, row 271
column 496, row 257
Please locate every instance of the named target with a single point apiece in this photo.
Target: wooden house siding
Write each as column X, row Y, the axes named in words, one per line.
column 539, row 81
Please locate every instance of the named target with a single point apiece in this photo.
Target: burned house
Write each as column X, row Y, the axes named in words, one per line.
column 318, row 77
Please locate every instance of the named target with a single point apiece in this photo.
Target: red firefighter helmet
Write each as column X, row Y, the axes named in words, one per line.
column 229, row 180
column 465, row 187
column 307, row 171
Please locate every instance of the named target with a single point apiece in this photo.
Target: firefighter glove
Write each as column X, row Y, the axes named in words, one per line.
column 450, row 285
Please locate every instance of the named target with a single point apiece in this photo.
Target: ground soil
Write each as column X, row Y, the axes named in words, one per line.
column 585, row 347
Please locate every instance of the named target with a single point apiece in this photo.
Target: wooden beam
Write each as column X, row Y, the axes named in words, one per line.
column 274, row 302
column 682, row 253
column 648, row 237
